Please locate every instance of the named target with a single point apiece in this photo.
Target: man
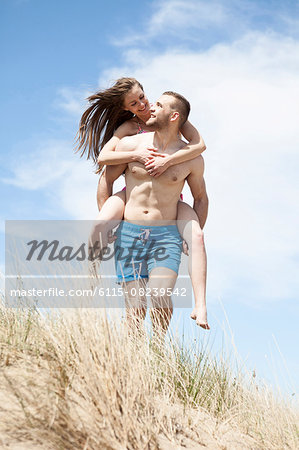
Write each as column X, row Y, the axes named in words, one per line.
column 150, row 200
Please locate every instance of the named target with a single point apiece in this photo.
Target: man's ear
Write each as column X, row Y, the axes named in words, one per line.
column 174, row 116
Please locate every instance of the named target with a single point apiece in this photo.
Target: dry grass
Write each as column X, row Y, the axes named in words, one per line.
column 79, row 381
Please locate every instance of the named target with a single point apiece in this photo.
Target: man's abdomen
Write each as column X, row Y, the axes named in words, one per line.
column 145, row 213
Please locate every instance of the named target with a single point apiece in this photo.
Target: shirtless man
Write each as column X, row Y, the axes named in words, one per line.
column 154, row 200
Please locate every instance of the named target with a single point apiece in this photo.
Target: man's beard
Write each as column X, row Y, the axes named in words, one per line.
column 157, row 124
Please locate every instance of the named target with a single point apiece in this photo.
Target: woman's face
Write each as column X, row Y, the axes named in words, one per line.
column 136, row 102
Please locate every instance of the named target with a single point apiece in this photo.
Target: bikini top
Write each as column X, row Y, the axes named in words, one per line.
column 140, row 129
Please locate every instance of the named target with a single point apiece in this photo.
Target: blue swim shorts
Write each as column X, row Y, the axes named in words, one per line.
column 139, row 249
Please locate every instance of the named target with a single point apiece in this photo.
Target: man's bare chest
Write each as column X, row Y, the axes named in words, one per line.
column 172, row 175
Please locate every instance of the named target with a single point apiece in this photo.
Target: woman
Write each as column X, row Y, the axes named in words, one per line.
column 120, row 111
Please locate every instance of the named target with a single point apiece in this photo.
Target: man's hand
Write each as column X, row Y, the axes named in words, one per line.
column 147, row 154
column 157, row 164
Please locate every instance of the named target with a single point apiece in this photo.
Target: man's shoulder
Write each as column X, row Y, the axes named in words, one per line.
column 198, row 160
column 197, row 164
column 139, row 138
column 126, row 143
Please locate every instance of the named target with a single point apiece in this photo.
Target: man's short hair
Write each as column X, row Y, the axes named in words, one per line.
column 181, row 105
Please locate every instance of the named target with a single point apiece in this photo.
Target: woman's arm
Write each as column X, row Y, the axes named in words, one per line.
column 193, row 149
column 110, row 157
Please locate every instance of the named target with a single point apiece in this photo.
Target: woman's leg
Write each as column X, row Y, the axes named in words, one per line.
column 189, row 228
column 108, row 218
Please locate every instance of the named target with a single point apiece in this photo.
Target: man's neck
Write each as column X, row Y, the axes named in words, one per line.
column 143, row 117
column 165, row 139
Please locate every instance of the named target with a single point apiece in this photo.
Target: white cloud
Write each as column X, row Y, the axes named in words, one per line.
column 73, row 101
column 78, row 192
column 175, row 17
column 53, row 168
column 177, row 13
column 37, row 169
column 175, row 22
column 292, row 23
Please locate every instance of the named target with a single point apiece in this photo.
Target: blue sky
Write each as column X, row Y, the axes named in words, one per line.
column 237, row 63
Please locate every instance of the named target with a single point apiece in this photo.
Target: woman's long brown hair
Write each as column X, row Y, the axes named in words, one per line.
column 104, row 115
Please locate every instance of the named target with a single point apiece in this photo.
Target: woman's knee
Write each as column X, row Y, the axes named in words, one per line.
column 185, row 212
column 122, row 196
column 113, row 208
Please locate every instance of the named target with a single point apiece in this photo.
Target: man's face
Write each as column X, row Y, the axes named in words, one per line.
column 161, row 112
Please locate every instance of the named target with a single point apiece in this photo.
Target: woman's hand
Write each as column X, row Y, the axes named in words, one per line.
column 146, row 154
column 157, row 164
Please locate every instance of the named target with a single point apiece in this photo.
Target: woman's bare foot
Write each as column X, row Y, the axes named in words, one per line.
column 200, row 315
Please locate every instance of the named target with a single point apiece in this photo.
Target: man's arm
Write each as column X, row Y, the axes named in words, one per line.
column 107, row 178
column 198, row 188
